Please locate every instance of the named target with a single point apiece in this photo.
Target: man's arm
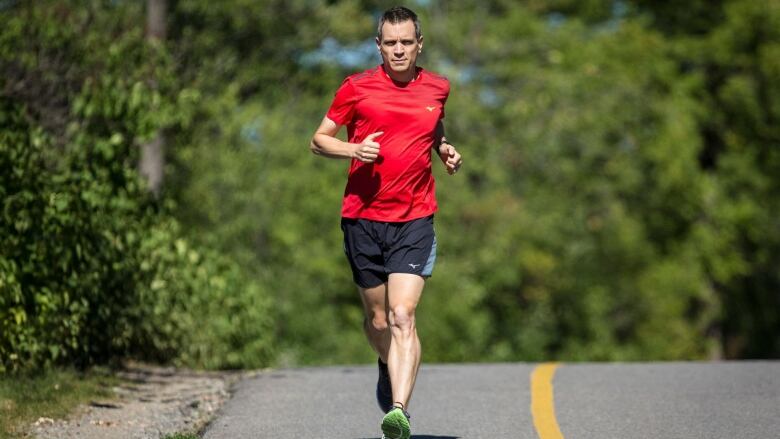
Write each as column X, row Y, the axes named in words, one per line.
column 326, row 144
column 447, row 152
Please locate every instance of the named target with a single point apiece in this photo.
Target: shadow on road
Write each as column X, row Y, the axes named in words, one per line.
column 421, row 436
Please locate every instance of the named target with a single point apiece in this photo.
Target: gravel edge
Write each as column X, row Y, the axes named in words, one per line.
column 150, row 403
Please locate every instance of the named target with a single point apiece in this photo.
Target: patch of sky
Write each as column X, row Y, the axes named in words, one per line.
column 7, row 4
column 555, row 20
column 619, row 9
column 457, row 73
column 252, row 132
column 468, row 74
column 627, row 143
column 488, row 97
column 331, row 51
column 619, row 12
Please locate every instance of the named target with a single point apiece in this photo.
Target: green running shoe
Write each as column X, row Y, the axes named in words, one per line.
column 395, row 424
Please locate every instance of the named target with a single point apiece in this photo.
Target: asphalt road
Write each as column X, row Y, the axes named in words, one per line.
column 728, row 400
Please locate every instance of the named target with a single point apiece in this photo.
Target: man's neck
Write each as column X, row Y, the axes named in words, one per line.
column 407, row 76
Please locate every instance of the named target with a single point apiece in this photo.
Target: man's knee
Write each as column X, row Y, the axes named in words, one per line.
column 376, row 322
column 402, row 317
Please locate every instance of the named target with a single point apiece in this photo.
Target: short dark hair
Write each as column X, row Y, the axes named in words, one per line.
column 399, row 14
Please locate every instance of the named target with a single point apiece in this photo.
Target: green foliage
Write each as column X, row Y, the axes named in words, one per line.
column 85, row 251
column 588, row 222
column 181, row 436
column 618, row 198
column 198, row 308
column 743, row 156
column 603, row 141
column 62, row 258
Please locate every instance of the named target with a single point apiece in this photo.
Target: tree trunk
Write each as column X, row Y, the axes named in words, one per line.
column 156, row 12
column 152, row 161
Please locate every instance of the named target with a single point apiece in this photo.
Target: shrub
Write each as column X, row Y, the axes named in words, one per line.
column 92, row 268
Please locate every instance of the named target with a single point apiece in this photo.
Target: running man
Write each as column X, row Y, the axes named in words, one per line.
column 393, row 114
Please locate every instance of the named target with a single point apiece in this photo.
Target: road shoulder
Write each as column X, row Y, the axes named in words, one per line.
column 150, row 402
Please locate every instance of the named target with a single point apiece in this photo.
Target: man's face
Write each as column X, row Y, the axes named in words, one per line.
column 399, row 46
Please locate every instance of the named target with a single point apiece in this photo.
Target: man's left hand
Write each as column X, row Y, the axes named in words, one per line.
column 450, row 157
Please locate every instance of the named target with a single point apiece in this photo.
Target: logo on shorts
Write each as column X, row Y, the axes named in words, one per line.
column 414, row 266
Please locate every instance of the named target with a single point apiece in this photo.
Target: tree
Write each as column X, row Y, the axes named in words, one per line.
column 152, row 161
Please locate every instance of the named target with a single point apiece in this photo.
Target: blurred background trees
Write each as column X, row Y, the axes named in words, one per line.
column 618, row 198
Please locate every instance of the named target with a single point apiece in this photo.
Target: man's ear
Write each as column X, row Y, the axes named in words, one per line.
column 378, row 44
column 420, row 42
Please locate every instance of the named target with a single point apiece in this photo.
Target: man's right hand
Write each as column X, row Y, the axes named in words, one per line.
column 368, row 150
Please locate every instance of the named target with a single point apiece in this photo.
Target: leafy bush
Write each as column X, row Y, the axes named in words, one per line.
column 65, row 239
column 198, row 309
column 92, row 269
column 86, row 276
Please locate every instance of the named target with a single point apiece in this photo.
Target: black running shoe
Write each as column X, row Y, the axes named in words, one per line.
column 384, row 391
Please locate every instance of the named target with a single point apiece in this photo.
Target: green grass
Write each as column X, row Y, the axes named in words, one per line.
column 181, row 436
column 51, row 394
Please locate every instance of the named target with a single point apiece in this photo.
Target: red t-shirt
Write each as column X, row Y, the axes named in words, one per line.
column 399, row 185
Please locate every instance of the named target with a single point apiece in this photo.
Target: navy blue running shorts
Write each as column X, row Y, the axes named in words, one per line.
column 375, row 249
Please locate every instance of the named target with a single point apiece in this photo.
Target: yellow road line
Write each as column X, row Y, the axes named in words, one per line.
column 542, row 402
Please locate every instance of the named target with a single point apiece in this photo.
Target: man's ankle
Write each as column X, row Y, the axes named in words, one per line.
column 400, row 405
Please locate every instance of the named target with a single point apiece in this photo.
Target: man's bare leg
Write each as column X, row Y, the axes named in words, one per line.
column 404, row 291
column 375, row 323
